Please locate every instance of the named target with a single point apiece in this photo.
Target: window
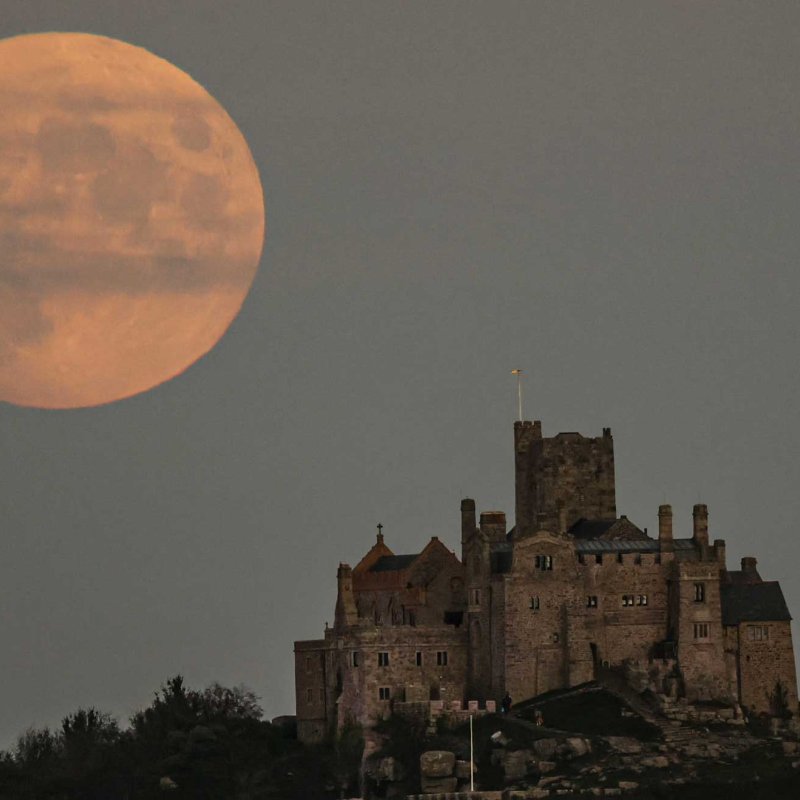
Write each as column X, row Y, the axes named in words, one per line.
column 383, row 659
column 544, row 562
column 354, row 658
column 638, row 559
column 598, row 559
column 384, row 693
column 619, row 558
column 757, row 633
column 581, row 559
column 441, row 658
column 309, row 695
column 555, row 638
column 535, row 603
column 322, row 695
column 699, row 593
column 453, row 618
column 701, row 630
column 308, row 663
column 419, row 658
column 412, row 618
column 628, row 600
column 641, row 600
column 474, row 597
column 591, row 601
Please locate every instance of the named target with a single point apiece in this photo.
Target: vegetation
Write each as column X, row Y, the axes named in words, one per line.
column 187, row 744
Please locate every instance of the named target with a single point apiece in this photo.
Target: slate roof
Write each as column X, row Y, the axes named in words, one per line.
column 627, row 545
column 591, row 528
column 393, row 563
column 753, row 602
column 742, row 576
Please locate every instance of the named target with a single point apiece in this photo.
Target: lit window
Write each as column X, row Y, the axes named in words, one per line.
column 642, row 600
column 419, row 658
column 628, row 600
column 699, row 593
column 591, row 601
column 383, row 659
column 701, row 630
column 535, row 603
column 441, row 658
column 384, row 693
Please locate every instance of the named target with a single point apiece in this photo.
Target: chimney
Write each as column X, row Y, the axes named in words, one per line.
column 467, row 518
column 493, row 524
column 749, row 570
column 665, row 525
column 700, row 524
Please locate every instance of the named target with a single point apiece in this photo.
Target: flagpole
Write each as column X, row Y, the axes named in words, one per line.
column 518, row 373
column 471, row 758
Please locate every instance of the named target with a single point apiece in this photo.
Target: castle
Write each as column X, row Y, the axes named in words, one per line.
column 570, row 591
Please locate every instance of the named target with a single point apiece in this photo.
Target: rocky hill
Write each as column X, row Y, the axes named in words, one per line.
column 589, row 742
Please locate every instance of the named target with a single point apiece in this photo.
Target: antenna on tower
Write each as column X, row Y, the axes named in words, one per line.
column 518, row 373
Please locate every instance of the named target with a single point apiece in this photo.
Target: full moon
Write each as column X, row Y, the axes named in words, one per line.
column 131, row 220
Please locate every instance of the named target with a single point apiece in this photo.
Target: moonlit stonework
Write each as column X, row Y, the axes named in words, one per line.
column 131, row 220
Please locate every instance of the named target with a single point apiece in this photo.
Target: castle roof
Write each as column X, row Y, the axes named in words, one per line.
column 621, row 528
column 753, row 602
column 393, row 563
column 628, row 545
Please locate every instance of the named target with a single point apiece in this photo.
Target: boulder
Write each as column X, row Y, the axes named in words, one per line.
column 515, row 764
column 437, row 764
column 578, row 746
column 545, row 748
column 624, row 744
column 628, row 786
column 439, row 785
column 463, row 771
column 659, row 762
column 499, row 739
column 789, row 748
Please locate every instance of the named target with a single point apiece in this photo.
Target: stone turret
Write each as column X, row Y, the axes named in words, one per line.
column 346, row 612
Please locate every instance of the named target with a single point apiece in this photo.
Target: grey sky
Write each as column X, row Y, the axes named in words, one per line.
column 603, row 193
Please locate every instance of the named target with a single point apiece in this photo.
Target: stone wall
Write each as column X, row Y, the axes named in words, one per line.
column 765, row 657
column 363, row 673
column 310, row 690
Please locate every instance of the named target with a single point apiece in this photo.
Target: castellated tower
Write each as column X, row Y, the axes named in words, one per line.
column 562, row 479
